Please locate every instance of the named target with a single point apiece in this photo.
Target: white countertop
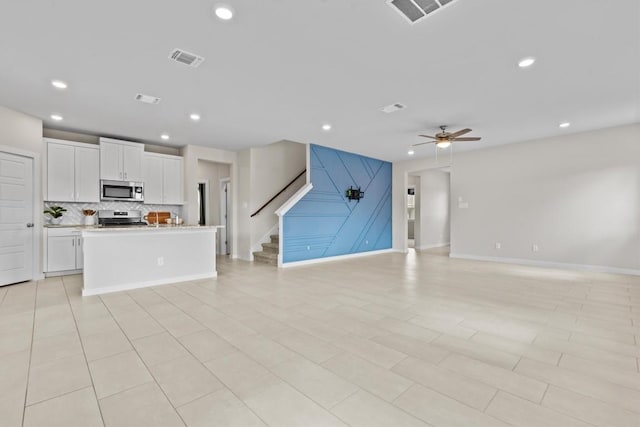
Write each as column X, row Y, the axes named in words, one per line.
column 135, row 227
column 164, row 227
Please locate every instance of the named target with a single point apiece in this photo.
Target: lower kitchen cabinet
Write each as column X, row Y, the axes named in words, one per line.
column 63, row 250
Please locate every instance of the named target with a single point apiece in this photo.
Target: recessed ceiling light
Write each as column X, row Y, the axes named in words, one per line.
column 195, row 117
column 165, row 136
column 223, row 11
column 58, row 84
column 326, row 127
column 565, row 125
column 56, row 117
column 411, row 152
column 526, row 62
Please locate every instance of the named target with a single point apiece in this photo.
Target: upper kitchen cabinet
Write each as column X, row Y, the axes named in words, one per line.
column 163, row 179
column 121, row 160
column 72, row 172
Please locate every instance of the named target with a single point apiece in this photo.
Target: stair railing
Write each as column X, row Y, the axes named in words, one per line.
column 279, row 193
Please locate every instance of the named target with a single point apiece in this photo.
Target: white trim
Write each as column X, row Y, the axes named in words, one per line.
column 226, row 220
column 332, row 258
column 138, row 285
column 536, row 263
column 438, row 245
column 62, row 273
column 37, row 266
column 294, row 199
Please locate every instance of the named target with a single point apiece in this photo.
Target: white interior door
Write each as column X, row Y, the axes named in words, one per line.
column 16, row 218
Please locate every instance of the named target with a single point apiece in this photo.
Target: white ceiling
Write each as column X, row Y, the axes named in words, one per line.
column 282, row 68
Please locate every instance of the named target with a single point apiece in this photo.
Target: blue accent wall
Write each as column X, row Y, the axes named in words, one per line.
column 324, row 223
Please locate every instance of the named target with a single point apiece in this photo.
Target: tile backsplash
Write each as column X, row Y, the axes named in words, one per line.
column 74, row 214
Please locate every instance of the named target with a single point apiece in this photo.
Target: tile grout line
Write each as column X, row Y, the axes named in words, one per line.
column 84, row 355
column 33, row 329
column 198, row 360
column 154, row 380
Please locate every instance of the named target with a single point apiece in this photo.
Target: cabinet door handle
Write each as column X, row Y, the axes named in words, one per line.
column 120, row 175
column 73, row 242
column 125, row 175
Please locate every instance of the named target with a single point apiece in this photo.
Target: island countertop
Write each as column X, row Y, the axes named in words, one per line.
column 145, row 228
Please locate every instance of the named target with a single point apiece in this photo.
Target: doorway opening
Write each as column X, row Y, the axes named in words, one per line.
column 225, row 195
column 431, row 211
column 209, row 207
column 203, row 199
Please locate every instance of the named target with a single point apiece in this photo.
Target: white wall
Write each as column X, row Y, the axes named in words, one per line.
column 20, row 131
column 576, row 196
column 243, row 228
column 272, row 168
column 263, row 171
column 434, row 210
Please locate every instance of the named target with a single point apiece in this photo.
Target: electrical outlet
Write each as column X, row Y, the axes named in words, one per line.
column 535, row 248
column 366, row 242
column 160, row 261
column 498, row 245
column 308, row 248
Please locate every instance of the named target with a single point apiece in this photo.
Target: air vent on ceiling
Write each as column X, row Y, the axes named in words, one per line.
column 186, row 58
column 147, row 99
column 393, row 108
column 415, row 10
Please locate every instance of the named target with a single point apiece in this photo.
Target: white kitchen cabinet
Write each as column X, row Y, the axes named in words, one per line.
column 163, row 179
column 121, row 160
column 72, row 172
column 63, row 250
column 172, row 181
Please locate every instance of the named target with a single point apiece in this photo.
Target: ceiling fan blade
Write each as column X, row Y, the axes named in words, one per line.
column 459, row 133
column 422, row 143
column 428, row 136
column 466, row 139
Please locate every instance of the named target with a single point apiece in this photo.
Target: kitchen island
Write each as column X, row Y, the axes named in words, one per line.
column 123, row 258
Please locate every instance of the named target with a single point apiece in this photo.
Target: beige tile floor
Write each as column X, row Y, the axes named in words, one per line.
column 388, row 340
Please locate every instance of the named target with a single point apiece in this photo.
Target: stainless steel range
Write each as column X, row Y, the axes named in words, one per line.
column 108, row 218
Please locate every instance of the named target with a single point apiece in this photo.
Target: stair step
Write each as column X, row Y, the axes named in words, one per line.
column 275, row 238
column 271, row 248
column 266, row 257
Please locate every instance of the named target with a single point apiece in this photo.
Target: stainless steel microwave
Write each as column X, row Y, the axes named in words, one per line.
column 124, row 191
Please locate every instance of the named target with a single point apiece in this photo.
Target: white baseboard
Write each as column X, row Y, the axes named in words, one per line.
column 138, row 285
column 61, row 273
column 438, row 245
column 563, row 265
column 333, row 258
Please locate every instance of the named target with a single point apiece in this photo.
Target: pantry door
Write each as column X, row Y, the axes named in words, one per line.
column 16, row 218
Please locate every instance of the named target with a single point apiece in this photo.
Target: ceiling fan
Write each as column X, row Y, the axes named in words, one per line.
column 444, row 138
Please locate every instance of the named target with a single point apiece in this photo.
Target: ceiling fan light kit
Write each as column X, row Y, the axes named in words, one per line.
column 444, row 139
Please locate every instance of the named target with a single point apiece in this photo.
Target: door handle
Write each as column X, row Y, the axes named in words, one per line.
column 29, row 225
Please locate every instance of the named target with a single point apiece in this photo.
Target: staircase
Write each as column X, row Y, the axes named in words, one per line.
column 269, row 252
